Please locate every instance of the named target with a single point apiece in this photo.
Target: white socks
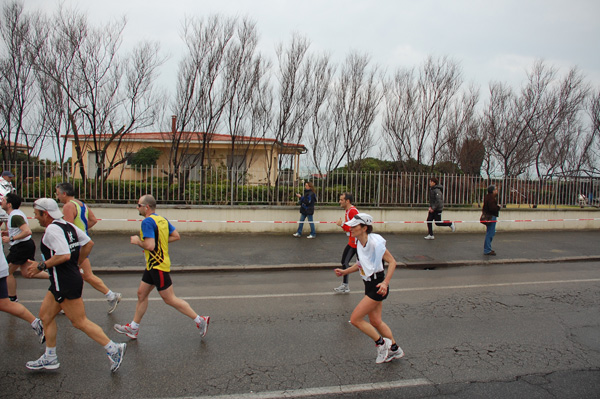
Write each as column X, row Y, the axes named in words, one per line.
column 111, row 347
column 50, row 352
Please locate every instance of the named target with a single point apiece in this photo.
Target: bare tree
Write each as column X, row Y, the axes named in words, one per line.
column 106, row 95
column 354, row 104
column 505, row 129
column 419, row 108
column 323, row 142
column 294, row 99
column 584, row 148
column 439, row 83
column 19, row 122
column 245, row 71
column 462, row 125
column 202, row 92
column 398, row 115
column 557, row 129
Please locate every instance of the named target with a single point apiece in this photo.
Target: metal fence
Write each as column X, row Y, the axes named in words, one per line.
column 222, row 186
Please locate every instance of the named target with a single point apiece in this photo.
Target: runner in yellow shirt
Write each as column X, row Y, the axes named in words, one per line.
column 155, row 235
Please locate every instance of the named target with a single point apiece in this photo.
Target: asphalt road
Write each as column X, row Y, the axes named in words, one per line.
column 493, row 331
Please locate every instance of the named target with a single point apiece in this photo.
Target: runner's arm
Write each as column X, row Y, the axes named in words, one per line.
column 174, row 236
column 91, row 219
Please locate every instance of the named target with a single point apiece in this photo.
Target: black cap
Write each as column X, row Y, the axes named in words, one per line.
column 491, row 188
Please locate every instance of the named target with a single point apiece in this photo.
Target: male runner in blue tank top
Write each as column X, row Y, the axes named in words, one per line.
column 155, row 235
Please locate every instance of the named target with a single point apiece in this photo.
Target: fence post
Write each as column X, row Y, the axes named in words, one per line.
column 378, row 188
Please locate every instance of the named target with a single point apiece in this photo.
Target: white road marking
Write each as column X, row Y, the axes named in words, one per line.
column 340, row 389
column 358, row 292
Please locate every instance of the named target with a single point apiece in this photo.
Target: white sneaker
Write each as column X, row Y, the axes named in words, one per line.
column 311, row 236
column 39, row 330
column 453, row 227
column 127, row 330
column 112, row 303
column 382, row 350
column 43, row 363
column 342, row 289
column 203, row 325
column 297, row 235
column 117, row 357
column 429, row 237
column 394, row 354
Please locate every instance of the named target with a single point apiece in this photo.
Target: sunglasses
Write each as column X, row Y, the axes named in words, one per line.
column 359, row 218
column 140, row 205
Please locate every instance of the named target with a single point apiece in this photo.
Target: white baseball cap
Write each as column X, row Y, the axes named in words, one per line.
column 48, row 205
column 360, row 218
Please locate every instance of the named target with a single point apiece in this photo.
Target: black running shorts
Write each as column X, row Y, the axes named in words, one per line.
column 161, row 280
column 371, row 287
column 21, row 252
column 3, row 288
column 67, row 293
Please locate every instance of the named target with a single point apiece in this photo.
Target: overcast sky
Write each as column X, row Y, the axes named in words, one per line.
column 492, row 40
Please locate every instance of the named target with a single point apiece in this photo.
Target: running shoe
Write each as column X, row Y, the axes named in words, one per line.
column 429, row 237
column 311, row 236
column 127, row 330
column 382, row 350
column 43, row 363
column 117, row 357
column 342, row 289
column 397, row 354
column 112, row 303
column 453, row 227
column 297, row 235
column 39, row 330
column 203, row 325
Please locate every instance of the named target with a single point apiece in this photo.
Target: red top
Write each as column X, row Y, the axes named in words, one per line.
column 350, row 213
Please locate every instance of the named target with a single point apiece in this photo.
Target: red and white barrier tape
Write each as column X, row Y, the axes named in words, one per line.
column 378, row 222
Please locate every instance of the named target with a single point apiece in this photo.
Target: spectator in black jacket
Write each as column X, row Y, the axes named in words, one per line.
column 492, row 208
column 307, row 209
column 436, row 206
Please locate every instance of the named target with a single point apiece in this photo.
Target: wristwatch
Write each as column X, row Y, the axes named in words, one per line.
column 41, row 266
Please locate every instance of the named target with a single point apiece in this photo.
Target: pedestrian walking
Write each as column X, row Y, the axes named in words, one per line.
column 155, row 235
column 492, row 209
column 350, row 211
column 436, row 206
column 77, row 212
column 15, row 308
column 18, row 236
column 307, row 209
column 372, row 252
column 64, row 246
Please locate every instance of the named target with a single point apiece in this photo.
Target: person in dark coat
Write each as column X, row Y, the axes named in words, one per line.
column 307, row 209
column 490, row 207
column 436, row 206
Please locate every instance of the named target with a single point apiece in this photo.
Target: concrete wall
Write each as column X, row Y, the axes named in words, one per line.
column 125, row 218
